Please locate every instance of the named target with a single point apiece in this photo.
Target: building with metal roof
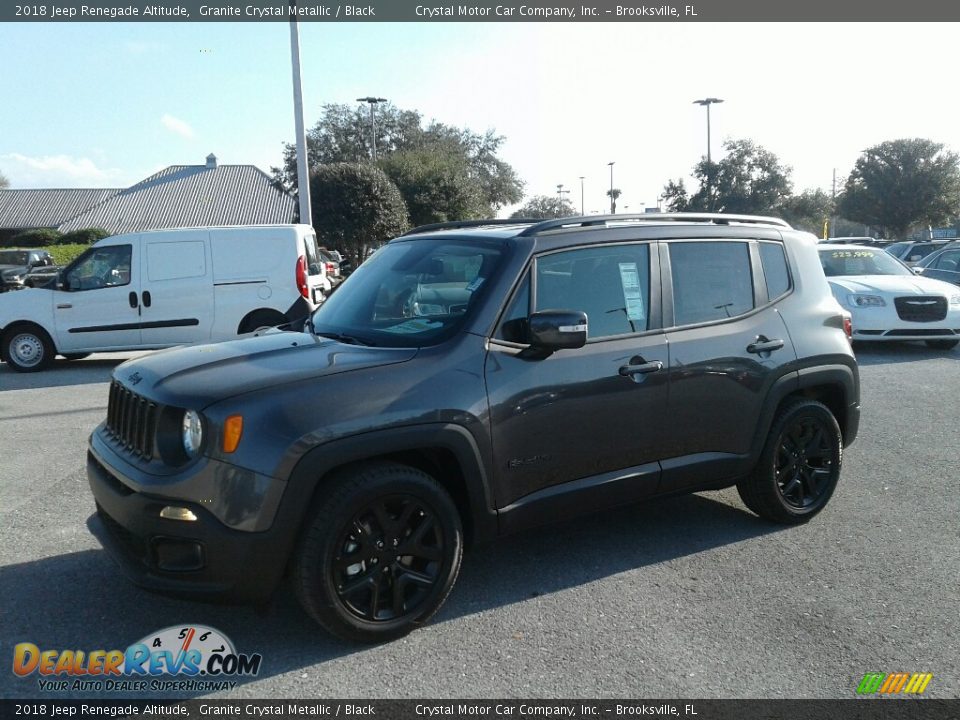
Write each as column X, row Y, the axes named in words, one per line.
column 178, row 196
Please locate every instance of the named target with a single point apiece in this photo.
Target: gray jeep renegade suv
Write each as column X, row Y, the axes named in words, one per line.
column 469, row 380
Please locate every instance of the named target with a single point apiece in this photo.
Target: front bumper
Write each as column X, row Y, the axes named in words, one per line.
column 883, row 323
column 203, row 560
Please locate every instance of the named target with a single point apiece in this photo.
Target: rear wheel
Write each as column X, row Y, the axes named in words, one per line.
column 27, row 348
column 942, row 344
column 380, row 554
column 799, row 466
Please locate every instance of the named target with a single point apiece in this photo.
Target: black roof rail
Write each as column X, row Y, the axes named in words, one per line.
column 593, row 220
column 457, row 224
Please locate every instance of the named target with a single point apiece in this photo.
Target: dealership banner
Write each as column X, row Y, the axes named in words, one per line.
column 507, row 709
column 502, row 11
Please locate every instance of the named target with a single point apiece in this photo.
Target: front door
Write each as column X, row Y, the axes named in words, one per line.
column 98, row 305
column 579, row 414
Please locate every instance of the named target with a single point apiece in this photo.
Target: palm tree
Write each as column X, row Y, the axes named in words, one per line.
column 613, row 194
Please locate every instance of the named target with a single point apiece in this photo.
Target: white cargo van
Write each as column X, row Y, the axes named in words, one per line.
column 166, row 287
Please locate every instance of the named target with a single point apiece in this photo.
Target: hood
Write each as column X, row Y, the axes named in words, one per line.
column 196, row 376
column 892, row 285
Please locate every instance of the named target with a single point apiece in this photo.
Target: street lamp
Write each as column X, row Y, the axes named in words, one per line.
column 373, row 120
column 613, row 204
column 707, row 102
column 581, row 195
column 560, row 192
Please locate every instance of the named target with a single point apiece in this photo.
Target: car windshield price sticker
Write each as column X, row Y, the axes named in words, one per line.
column 632, row 297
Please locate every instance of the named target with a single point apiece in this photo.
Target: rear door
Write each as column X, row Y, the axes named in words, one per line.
column 728, row 345
column 98, row 307
column 176, row 293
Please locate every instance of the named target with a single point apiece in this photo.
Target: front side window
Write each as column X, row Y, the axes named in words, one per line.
column 100, row 267
column 610, row 284
column 950, row 260
column 410, row 294
column 711, row 281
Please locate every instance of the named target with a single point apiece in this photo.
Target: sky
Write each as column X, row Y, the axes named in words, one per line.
column 106, row 105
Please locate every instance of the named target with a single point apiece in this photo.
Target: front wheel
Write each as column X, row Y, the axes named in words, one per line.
column 799, row 466
column 380, row 553
column 27, row 348
column 942, row 344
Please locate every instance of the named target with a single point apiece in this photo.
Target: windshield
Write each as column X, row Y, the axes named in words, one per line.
column 10, row 257
column 410, row 294
column 860, row 261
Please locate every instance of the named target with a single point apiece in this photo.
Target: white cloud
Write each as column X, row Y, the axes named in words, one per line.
column 56, row 171
column 176, row 125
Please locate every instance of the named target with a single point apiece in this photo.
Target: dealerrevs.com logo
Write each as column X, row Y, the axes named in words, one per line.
column 178, row 658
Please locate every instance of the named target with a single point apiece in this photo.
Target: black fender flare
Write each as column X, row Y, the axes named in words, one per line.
column 317, row 462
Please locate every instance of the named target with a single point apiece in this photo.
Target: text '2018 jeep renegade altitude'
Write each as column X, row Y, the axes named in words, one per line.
column 467, row 381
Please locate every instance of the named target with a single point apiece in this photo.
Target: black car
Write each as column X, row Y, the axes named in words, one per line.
column 24, row 268
column 468, row 381
column 944, row 264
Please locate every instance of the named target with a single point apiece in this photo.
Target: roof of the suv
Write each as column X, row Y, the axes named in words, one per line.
column 530, row 228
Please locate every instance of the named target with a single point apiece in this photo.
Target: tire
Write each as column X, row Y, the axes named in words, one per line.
column 405, row 534
column 27, row 348
column 75, row 356
column 942, row 344
column 799, row 466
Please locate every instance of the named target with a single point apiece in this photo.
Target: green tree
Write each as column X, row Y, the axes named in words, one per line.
column 343, row 135
column 545, row 207
column 614, row 194
column 748, row 180
column 807, row 211
column 901, row 183
column 355, row 206
column 4, row 183
column 437, row 187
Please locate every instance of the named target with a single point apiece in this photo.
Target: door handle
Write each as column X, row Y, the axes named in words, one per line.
column 762, row 344
column 64, row 306
column 133, row 299
column 146, row 298
column 641, row 369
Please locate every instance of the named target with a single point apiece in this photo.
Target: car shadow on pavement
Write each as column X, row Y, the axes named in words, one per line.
column 82, row 601
column 889, row 353
column 61, row 373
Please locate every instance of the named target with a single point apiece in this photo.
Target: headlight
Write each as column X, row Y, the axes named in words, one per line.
column 955, row 299
column 192, row 433
column 865, row 301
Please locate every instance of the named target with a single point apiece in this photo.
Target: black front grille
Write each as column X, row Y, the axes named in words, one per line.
column 921, row 308
column 132, row 420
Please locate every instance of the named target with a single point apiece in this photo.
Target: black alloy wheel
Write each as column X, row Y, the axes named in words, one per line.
column 388, row 558
column 799, row 466
column 804, row 463
column 379, row 553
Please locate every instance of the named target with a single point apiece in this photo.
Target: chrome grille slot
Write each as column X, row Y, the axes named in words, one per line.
column 132, row 420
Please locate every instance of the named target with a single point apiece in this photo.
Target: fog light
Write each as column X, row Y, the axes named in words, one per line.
column 178, row 513
column 178, row 555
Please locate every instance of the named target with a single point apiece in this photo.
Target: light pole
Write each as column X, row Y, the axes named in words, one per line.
column 303, row 172
column 581, row 195
column 707, row 102
column 373, row 120
column 613, row 204
column 560, row 192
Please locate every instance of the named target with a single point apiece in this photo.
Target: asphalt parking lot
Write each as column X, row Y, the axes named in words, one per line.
column 686, row 597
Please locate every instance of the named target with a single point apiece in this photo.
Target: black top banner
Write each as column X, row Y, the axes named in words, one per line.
column 439, row 11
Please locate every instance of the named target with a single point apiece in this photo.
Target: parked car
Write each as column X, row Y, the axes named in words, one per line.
column 913, row 252
column 167, row 287
column 332, row 263
column 17, row 264
column 944, row 264
column 888, row 301
column 468, row 381
column 857, row 240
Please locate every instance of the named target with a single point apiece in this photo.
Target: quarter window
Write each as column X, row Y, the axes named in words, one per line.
column 711, row 281
column 610, row 284
column 774, row 269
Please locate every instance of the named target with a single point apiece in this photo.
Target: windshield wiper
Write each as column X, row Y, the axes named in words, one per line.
column 340, row 337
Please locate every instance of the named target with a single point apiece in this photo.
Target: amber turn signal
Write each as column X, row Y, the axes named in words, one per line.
column 232, row 430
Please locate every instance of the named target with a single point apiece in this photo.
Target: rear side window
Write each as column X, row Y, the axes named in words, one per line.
column 774, row 269
column 711, row 281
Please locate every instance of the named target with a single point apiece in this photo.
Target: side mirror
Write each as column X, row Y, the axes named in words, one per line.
column 558, row 330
